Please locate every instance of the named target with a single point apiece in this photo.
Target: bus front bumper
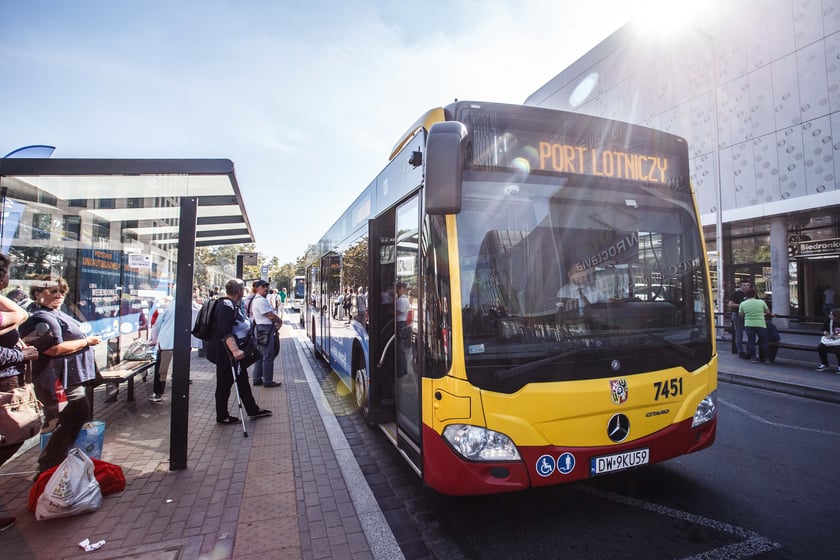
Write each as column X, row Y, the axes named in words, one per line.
column 448, row 473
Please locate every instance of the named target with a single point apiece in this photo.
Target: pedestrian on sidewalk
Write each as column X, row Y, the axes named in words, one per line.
column 828, row 300
column 229, row 327
column 282, row 302
column 66, row 354
column 13, row 355
column 163, row 334
column 772, row 336
column 266, row 324
column 754, row 312
column 831, row 334
column 737, row 320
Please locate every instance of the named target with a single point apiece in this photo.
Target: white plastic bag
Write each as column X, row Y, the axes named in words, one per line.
column 72, row 489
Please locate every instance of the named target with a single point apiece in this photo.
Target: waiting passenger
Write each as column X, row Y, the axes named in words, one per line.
column 831, row 333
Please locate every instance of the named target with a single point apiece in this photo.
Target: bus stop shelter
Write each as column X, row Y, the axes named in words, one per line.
column 139, row 220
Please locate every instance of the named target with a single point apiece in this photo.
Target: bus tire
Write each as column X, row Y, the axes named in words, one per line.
column 360, row 391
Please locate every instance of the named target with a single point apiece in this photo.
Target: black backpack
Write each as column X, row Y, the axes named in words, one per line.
column 203, row 327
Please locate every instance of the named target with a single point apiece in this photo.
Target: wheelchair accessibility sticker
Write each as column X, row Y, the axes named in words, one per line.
column 545, row 465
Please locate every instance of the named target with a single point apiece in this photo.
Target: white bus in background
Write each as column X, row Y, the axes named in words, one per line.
column 298, row 292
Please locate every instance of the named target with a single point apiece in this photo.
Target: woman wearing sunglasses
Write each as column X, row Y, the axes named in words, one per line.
column 66, row 355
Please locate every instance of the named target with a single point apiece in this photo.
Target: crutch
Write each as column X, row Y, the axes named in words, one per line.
column 233, row 367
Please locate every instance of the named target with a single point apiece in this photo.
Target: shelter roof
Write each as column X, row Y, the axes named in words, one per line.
column 221, row 215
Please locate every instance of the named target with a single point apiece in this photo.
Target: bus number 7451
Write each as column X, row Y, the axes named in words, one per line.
column 670, row 388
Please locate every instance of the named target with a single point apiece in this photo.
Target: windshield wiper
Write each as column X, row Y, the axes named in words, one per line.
column 511, row 372
column 682, row 349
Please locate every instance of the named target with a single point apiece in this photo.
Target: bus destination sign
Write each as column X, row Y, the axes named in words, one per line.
column 612, row 164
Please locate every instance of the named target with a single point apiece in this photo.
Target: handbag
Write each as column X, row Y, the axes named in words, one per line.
column 20, row 414
column 262, row 336
column 140, row 350
column 830, row 340
column 252, row 352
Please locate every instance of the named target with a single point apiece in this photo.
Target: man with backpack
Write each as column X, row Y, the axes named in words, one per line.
column 229, row 328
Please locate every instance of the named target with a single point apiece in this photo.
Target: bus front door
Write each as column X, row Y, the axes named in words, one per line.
column 329, row 287
column 406, row 286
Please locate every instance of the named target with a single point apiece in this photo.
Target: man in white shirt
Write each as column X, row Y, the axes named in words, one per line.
column 403, row 305
column 579, row 291
column 265, row 320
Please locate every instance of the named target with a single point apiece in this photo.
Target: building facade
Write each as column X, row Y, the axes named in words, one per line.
column 754, row 88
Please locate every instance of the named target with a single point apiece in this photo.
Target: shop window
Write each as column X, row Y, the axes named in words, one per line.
column 750, row 250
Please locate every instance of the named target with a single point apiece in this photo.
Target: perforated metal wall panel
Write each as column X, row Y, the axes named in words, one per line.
column 767, row 71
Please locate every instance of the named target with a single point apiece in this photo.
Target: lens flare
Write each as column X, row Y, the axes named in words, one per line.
column 521, row 164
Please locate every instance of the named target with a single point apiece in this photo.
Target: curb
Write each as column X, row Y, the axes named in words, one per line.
column 797, row 390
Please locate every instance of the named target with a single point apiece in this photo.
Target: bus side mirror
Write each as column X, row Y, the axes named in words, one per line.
column 444, row 164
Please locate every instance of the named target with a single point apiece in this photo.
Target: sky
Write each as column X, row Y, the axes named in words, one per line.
column 307, row 98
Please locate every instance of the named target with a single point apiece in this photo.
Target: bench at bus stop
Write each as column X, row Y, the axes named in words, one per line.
column 123, row 372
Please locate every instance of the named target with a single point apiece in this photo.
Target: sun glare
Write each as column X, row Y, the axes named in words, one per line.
column 662, row 16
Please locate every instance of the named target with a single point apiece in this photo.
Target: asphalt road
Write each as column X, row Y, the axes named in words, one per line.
column 766, row 489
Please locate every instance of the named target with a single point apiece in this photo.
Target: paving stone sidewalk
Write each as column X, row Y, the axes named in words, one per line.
column 278, row 493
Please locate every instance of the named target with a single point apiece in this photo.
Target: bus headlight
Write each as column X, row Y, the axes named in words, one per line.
column 480, row 444
column 706, row 410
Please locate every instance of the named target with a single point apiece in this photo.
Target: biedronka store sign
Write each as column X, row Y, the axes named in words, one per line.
column 819, row 248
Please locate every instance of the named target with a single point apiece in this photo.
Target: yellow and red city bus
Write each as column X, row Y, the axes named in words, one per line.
column 530, row 299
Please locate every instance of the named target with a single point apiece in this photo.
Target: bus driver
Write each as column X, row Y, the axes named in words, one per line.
column 580, row 291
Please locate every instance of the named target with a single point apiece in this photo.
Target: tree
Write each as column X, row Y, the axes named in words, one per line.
column 216, row 265
column 355, row 269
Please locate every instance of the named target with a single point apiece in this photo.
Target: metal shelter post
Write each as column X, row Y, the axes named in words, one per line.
column 179, row 426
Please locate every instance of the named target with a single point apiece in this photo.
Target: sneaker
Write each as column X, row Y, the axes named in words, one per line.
column 271, row 384
column 155, row 397
column 754, row 361
column 6, row 522
column 822, row 367
column 260, row 413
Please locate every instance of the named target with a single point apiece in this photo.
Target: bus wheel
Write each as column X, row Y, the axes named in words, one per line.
column 360, row 393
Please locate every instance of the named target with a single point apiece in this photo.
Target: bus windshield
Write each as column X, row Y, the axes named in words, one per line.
column 561, row 275
column 300, row 287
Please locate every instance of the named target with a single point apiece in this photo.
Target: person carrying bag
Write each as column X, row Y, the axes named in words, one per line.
column 20, row 410
column 830, row 340
column 230, row 329
column 66, row 353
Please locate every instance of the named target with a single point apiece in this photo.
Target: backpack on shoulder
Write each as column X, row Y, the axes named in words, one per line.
column 203, row 327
